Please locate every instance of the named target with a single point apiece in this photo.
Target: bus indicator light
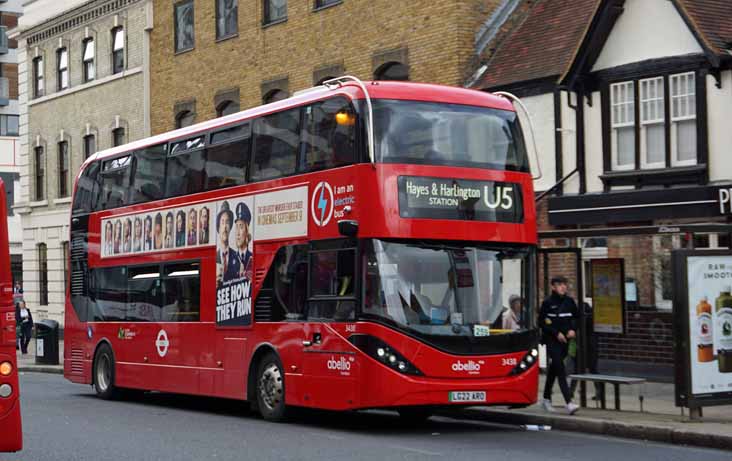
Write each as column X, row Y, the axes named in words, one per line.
column 344, row 118
column 6, row 368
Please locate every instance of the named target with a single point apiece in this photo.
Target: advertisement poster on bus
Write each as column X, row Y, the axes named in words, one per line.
column 234, row 261
column 709, row 312
column 608, row 295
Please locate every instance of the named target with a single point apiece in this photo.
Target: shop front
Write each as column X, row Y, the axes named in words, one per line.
column 630, row 236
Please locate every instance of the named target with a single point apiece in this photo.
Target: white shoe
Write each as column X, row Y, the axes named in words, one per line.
column 546, row 404
column 572, row 408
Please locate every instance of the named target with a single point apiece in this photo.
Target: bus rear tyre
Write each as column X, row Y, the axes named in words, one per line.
column 271, row 389
column 103, row 373
column 415, row 415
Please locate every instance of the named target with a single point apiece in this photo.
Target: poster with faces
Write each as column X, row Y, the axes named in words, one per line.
column 162, row 230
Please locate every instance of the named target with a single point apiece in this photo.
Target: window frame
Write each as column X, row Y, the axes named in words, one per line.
column 629, row 108
column 40, row 172
column 116, row 52
column 176, row 48
column 235, row 32
column 674, row 120
column 88, row 64
column 42, row 252
column 62, row 53
column 671, row 172
column 115, row 132
column 323, row 4
column 39, row 83
column 87, row 151
column 267, row 19
column 646, row 102
column 64, row 169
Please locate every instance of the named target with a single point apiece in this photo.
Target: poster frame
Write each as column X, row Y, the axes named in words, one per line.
column 682, row 333
column 623, row 321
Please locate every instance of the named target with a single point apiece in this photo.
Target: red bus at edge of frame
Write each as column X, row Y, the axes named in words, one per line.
column 10, row 421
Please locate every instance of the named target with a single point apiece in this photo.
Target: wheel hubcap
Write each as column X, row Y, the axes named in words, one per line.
column 104, row 373
column 270, row 386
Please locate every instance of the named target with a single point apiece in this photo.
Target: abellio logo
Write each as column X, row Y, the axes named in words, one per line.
column 341, row 364
column 470, row 366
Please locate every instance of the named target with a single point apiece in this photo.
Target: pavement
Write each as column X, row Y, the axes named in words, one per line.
column 660, row 421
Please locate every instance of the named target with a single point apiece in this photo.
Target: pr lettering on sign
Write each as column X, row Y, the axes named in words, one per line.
column 725, row 201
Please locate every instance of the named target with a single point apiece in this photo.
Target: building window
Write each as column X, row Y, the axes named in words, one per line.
column 227, row 108
column 118, row 50
column 62, row 68
column 42, row 274
column 9, row 125
column 63, row 169
column 324, row 3
column 38, row 87
column 40, row 172
column 88, row 59
column 90, row 145
column 652, row 129
column 273, row 96
column 227, row 14
column 623, row 125
column 118, row 137
column 275, row 11
column 656, row 145
column 184, row 26
column 65, row 253
column 184, row 119
column 392, row 71
column 683, row 119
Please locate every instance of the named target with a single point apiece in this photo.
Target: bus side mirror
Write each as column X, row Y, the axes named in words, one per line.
column 348, row 228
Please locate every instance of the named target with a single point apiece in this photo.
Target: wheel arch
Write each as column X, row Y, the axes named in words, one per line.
column 102, row 342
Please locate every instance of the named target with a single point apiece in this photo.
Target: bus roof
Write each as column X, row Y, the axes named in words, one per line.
column 409, row 91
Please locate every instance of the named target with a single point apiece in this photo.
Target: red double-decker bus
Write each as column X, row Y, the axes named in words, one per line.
column 354, row 246
column 11, row 434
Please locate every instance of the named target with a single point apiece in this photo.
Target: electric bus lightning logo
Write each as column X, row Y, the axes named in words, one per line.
column 322, row 204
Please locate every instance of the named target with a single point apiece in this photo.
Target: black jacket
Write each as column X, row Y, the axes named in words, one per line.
column 558, row 314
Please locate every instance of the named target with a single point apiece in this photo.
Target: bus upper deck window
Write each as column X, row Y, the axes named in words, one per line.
column 115, row 183
column 329, row 135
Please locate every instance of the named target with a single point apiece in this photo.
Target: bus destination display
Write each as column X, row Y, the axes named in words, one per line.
column 463, row 199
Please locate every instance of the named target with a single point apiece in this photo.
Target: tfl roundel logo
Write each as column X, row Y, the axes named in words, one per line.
column 321, row 206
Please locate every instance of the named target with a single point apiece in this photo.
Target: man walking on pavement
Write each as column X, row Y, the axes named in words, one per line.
column 558, row 320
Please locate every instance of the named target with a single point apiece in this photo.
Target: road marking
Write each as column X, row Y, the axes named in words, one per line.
column 416, row 450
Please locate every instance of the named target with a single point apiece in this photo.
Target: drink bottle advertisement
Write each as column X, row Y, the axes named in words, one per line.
column 710, row 322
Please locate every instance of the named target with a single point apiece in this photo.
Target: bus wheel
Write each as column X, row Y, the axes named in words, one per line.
column 415, row 415
column 271, row 388
column 103, row 373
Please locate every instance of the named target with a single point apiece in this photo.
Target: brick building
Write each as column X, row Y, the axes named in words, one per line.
column 214, row 57
column 82, row 87
column 10, row 11
column 631, row 121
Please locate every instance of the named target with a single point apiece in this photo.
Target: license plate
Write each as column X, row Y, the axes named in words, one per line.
column 467, row 396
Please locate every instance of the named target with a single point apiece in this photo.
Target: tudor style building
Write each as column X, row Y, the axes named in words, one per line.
column 632, row 102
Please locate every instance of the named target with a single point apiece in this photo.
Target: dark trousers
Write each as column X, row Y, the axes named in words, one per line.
column 25, row 337
column 556, row 353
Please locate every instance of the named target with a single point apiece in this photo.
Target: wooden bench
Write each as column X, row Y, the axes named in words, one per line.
column 616, row 381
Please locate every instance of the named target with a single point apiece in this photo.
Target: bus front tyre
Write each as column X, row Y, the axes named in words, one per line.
column 103, row 373
column 271, row 389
